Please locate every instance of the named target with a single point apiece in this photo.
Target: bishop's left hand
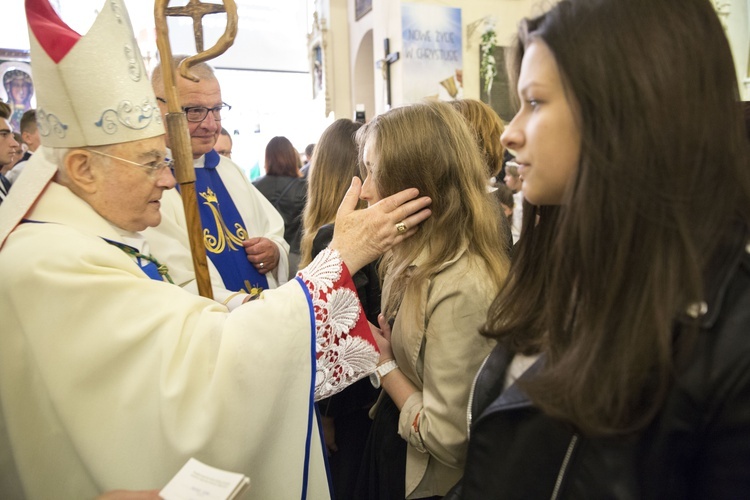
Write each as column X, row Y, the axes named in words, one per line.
column 361, row 236
column 262, row 253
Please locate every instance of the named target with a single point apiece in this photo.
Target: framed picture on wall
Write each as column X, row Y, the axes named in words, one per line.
column 317, row 70
column 500, row 98
column 361, row 7
column 17, row 85
column 318, row 54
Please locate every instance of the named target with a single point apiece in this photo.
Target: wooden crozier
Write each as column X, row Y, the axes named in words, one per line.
column 177, row 126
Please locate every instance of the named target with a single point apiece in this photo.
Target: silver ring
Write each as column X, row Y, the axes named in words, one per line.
column 261, row 265
column 401, row 227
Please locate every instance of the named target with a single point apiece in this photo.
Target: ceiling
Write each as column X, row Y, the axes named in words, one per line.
column 271, row 34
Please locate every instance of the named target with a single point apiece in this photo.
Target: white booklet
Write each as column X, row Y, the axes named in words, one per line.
column 198, row 481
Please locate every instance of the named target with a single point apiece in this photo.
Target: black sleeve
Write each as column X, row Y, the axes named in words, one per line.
column 322, row 239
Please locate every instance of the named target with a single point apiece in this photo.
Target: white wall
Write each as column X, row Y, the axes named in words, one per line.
column 385, row 22
column 272, row 37
column 340, row 69
column 363, row 75
column 738, row 32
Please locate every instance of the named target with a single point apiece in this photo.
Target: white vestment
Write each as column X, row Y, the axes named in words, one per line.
column 169, row 239
column 112, row 380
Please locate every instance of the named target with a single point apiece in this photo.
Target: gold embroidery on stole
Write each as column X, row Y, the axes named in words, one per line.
column 225, row 238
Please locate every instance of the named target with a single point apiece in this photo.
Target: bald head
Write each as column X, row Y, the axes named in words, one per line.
column 202, row 70
column 205, row 94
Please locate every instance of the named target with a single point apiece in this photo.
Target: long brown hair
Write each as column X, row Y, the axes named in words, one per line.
column 333, row 164
column 598, row 281
column 281, row 158
column 429, row 146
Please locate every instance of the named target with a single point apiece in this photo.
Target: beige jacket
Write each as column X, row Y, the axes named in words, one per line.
column 436, row 344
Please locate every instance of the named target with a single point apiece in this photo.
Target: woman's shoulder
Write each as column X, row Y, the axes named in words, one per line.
column 727, row 320
column 467, row 265
column 300, row 188
column 263, row 182
column 468, row 275
column 276, row 184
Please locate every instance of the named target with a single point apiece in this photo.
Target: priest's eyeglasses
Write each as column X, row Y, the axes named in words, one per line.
column 197, row 114
column 153, row 169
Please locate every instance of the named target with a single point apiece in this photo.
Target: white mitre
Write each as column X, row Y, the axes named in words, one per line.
column 91, row 90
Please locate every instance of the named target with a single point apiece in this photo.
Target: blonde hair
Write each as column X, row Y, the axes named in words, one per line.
column 487, row 128
column 429, row 146
column 333, row 164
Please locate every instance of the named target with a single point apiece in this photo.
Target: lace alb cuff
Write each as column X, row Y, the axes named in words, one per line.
column 346, row 349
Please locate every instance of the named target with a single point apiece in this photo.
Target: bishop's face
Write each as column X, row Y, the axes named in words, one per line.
column 205, row 93
column 127, row 195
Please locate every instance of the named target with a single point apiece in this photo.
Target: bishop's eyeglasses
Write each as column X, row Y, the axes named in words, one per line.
column 153, row 170
column 199, row 113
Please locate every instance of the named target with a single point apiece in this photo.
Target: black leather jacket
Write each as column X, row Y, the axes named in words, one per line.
column 698, row 446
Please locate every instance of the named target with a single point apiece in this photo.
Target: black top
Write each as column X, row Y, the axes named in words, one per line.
column 697, row 446
column 288, row 196
column 4, row 187
column 366, row 279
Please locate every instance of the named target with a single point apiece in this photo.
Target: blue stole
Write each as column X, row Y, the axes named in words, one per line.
column 224, row 231
column 150, row 269
column 147, row 263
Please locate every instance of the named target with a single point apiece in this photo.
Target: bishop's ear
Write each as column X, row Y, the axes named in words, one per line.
column 80, row 172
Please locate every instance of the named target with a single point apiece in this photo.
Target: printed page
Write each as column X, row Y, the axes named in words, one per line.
column 198, row 481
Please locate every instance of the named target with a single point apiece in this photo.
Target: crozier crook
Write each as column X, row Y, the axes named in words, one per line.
column 176, row 121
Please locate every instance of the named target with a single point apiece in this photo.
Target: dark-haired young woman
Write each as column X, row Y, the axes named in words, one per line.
column 629, row 300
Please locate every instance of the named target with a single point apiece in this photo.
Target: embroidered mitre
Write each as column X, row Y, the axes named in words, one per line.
column 91, row 90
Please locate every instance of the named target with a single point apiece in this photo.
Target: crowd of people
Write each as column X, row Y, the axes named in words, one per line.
column 14, row 149
column 432, row 304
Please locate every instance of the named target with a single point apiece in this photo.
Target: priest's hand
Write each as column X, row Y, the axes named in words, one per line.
column 361, row 236
column 262, row 253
